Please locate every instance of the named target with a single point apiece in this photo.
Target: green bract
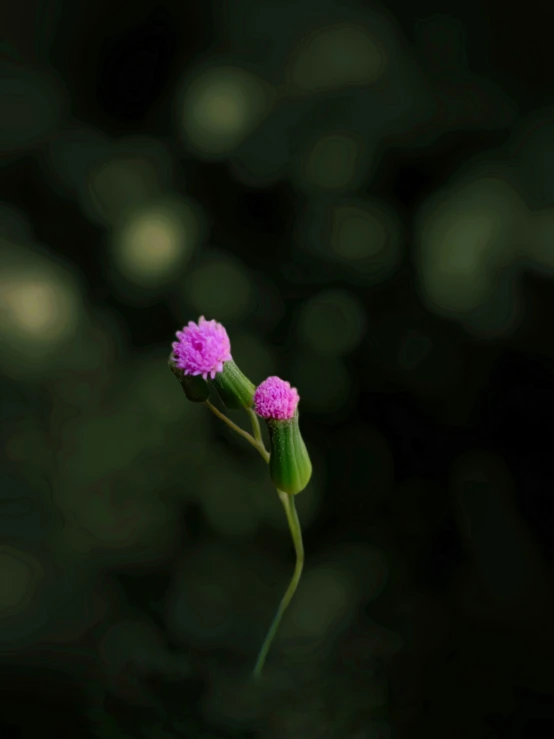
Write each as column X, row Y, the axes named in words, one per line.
column 233, row 387
column 195, row 387
column 290, row 467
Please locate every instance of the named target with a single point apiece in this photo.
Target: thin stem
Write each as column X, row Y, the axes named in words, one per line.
column 249, row 438
column 255, row 425
column 296, row 532
column 258, row 434
column 259, row 446
column 294, row 527
column 265, row 454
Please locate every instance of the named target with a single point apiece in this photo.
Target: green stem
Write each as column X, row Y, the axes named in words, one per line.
column 294, row 527
column 255, row 425
column 245, row 435
column 296, row 532
column 258, row 434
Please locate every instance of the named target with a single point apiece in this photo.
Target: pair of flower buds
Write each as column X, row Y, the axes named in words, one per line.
column 202, row 355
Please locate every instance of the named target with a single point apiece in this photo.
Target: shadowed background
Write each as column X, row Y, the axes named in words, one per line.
column 364, row 196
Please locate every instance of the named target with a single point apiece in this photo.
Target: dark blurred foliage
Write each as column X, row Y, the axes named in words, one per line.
column 370, row 212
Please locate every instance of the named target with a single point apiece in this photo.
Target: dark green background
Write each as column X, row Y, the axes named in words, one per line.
column 142, row 549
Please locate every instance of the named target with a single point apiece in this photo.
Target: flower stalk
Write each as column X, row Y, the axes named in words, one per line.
column 257, row 443
column 296, row 533
column 202, row 354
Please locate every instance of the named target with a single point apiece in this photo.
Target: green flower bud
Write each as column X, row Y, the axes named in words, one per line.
column 194, row 386
column 233, row 387
column 290, row 467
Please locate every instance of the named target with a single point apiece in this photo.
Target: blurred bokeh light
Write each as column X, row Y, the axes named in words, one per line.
column 32, row 104
column 21, row 573
column 40, row 310
column 336, row 56
column 119, row 184
column 332, row 161
column 468, row 240
column 152, row 243
column 539, row 251
column 332, row 323
column 219, row 286
column 362, row 238
column 366, row 237
column 220, row 107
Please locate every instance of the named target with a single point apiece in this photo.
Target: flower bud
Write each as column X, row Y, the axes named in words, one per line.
column 290, row 466
column 233, row 387
column 203, row 350
column 195, row 387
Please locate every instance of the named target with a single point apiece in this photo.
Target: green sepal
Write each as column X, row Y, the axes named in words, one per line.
column 233, row 387
column 194, row 386
column 290, row 467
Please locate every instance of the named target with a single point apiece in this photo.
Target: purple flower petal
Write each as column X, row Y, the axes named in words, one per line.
column 202, row 348
column 275, row 398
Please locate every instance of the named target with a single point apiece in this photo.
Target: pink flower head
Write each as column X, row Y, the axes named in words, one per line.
column 275, row 398
column 202, row 348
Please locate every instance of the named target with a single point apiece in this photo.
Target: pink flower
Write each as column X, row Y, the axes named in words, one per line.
column 275, row 398
column 202, row 348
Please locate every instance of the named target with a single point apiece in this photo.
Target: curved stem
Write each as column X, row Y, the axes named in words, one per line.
column 258, row 445
column 249, row 438
column 294, row 526
column 255, row 425
column 258, row 434
column 296, row 532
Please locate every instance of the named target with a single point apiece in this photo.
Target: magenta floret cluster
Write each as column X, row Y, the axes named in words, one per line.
column 275, row 398
column 202, row 348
